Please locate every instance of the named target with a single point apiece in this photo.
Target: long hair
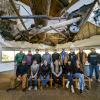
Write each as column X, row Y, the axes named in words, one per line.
column 65, row 60
column 78, row 64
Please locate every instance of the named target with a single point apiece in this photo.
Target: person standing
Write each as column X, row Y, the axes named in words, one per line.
column 46, row 57
column 73, row 58
column 94, row 60
column 55, row 56
column 63, row 56
column 28, row 59
column 82, row 58
column 36, row 57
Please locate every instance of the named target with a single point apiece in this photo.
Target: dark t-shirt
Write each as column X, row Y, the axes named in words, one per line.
column 81, row 57
column 36, row 57
column 73, row 59
column 45, row 70
column 67, row 69
column 77, row 70
column 22, row 69
column 94, row 58
column 55, row 56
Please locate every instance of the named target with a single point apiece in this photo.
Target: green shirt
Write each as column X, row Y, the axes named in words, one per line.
column 19, row 58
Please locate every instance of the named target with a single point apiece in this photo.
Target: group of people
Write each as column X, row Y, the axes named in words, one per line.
column 57, row 65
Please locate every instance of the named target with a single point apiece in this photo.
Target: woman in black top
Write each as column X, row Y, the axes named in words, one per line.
column 78, row 73
column 45, row 73
column 68, row 72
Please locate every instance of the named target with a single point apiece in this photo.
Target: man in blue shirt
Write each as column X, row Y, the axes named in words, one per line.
column 63, row 56
column 46, row 57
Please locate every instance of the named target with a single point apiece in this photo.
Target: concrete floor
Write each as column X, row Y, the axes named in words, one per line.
column 47, row 94
column 51, row 94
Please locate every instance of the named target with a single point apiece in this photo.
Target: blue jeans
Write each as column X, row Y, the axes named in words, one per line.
column 44, row 80
column 87, row 70
column 81, row 80
column 35, row 81
column 70, row 78
column 96, row 68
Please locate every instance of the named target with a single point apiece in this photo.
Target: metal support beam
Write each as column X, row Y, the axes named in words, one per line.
column 56, row 26
column 32, row 17
column 58, row 32
column 15, row 9
column 25, row 17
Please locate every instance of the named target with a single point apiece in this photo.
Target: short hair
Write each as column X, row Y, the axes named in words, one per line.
column 29, row 50
column 55, row 49
column 92, row 48
column 21, row 49
column 36, row 49
column 63, row 48
column 46, row 49
column 81, row 48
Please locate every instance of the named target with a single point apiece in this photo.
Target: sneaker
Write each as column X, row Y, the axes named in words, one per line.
column 91, row 80
column 35, row 88
column 24, row 89
column 30, row 88
column 67, row 84
column 41, row 88
column 81, row 91
column 72, row 89
column 98, row 80
column 86, row 87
